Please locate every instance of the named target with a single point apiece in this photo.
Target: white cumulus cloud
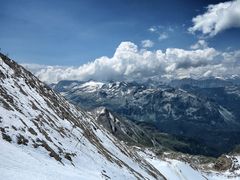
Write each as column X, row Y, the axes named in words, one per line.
column 162, row 36
column 152, row 29
column 201, row 44
column 147, row 43
column 217, row 18
column 132, row 63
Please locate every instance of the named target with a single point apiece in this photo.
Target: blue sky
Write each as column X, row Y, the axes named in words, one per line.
column 73, row 32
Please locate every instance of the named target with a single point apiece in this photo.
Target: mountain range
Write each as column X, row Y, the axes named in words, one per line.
column 201, row 115
column 43, row 136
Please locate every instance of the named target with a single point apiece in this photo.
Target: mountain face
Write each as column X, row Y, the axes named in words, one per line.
column 123, row 129
column 58, row 140
column 205, row 125
column 204, row 83
column 226, row 93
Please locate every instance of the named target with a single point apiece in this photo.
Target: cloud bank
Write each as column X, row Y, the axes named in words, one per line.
column 129, row 62
column 217, row 18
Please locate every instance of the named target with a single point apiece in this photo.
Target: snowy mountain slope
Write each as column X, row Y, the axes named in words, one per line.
column 21, row 163
column 174, row 169
column 44, row 137
column 200, row 121
column 185, row 167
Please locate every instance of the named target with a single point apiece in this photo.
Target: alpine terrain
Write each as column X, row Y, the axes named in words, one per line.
column 191, row 120
column 43, row 136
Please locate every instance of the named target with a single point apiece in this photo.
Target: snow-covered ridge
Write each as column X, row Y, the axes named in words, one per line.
column 90, row 86
column 41, row 127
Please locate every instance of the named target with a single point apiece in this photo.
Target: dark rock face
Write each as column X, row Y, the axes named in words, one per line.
column 223, row 163
column 223, row 92
column 228, row 96
column 193, row 118
column 123, row 129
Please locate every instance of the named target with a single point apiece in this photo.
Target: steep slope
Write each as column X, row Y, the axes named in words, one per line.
column 123, row 129
column 43, row 136
column 210, row 127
